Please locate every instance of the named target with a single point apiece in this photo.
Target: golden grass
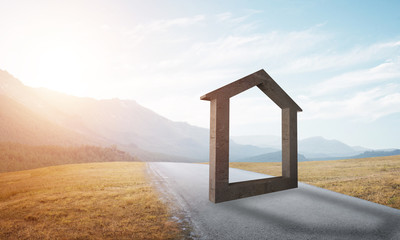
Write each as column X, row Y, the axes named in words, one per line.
column 374, row 179
column 83, row 201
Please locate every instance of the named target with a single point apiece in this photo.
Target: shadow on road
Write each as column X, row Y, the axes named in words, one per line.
column 322, row 224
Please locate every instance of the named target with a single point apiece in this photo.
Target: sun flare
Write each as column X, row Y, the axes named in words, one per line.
column 59, row 68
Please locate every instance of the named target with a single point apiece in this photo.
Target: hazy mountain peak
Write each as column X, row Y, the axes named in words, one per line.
column 259, row 140
column 7, row 78
column 318, row 146
column 314, row 138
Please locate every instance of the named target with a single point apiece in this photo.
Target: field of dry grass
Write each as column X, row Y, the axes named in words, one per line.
column 83, row 201
column 374, row 179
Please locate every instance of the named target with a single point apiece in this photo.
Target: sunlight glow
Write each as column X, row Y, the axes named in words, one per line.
column 60, row 69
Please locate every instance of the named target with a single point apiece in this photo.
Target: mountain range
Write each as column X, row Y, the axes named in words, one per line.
column 310, row 148
column 40, row 116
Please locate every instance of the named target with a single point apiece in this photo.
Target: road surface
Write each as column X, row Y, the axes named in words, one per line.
column 307, row 212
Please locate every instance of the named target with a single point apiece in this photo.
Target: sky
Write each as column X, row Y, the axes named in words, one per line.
column 338, row 60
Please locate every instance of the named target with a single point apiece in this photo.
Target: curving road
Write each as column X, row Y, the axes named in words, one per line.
column 307, row 212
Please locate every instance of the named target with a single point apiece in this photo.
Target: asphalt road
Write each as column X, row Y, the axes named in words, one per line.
column 307, row 212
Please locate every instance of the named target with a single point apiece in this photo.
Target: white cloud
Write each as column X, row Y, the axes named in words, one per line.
column 271, row 49
column 328, row 58
column 383, row 72
column 224, row 16
column 165, row 24
column 158, row 30
column 363, row 106
column 232, row 19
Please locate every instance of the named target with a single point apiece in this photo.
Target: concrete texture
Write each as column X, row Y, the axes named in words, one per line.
column 306, row 212
column 219, row 188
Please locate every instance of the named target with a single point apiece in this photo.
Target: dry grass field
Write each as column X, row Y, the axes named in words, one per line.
column 374, row 179
column 83, row 201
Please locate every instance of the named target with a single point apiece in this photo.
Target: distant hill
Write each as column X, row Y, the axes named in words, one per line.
column 277, row 156
column 309, row 148
column 269, row 157
column 266, row 141
column 239, row 151
column 19, row 124
column 16, row 157
column 366, row 154
column 320, row 147
column 123, row 122
column 313, row 147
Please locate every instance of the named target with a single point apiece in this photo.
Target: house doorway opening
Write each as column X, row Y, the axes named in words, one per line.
column 255, row 135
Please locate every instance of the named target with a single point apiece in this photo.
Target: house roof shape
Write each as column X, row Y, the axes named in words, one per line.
column 219, row 187
column 263, row 81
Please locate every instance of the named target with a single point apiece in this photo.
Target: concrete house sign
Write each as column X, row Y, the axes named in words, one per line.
column 220, row 189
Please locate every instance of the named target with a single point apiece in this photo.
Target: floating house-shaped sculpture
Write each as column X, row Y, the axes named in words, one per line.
column 220, row 189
